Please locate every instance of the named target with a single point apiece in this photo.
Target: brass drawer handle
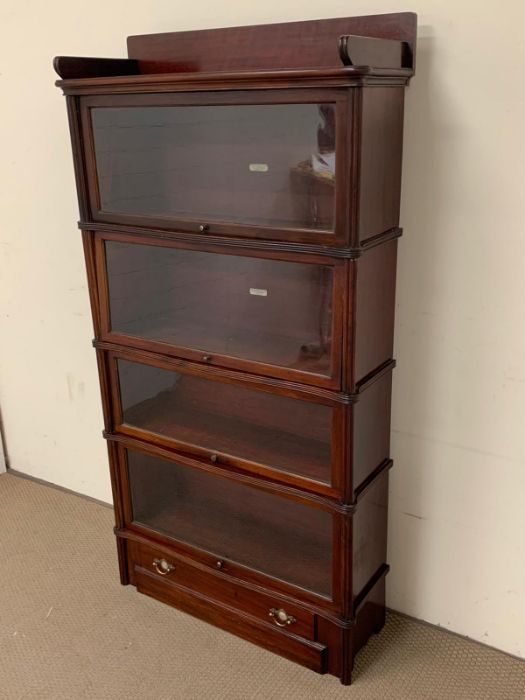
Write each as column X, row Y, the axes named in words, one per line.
column 162, row 566
column 206, row 358
column 203, row 228
column 281, row 617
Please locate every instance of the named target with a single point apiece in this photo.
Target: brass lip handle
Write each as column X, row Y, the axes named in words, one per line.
column 281, row 617
column 204, row 227
column 206, row 358
column 219, row 563
column 214, row 458
column 162, row 566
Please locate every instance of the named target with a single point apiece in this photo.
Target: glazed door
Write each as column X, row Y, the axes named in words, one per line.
column 272, row 314
column 239, row 524
column 268, row 165
column 283, row 435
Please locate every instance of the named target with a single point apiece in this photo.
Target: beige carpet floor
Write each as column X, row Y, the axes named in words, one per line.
column 69, row 630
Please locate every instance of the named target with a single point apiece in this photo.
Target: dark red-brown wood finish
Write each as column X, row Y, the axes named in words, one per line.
column 239, row 205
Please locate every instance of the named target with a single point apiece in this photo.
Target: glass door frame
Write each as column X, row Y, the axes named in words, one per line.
column 339, row 303
column 341, row 527
column 333, row 490
column 342, row 98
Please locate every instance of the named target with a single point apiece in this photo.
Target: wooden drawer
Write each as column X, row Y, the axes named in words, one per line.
column 223, row 589
column 313, row 655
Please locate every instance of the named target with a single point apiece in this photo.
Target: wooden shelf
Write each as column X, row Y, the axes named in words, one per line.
column 285, row 351
column 172, row 416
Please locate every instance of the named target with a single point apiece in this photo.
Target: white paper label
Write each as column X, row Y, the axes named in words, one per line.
column 258, row 292
column 258, row 167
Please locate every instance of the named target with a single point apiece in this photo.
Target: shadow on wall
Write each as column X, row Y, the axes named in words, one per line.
column 3, row 451
column 456, row 511
column 418, row 266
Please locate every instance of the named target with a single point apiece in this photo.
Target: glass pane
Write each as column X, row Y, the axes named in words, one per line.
column 264, row 310
column 274, row 535
column 287, row 434
column 270, row 165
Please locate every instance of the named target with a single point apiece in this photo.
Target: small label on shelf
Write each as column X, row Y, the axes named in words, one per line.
column 258, row 167
column 258, row 292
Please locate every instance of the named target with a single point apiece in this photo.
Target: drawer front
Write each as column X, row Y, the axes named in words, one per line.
column 221, row 588
column 266, row 170
column 314, row 655
column 229, row 422
column 248, row 531
column 252, row 312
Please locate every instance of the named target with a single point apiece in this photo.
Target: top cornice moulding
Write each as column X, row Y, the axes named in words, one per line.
column 342, row 51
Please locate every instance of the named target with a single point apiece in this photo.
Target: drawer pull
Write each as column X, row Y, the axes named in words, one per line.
column 206, row 358
column 162, row 566
column 281, row 617
column 219, row 564
column 214, row 458
column 203, row 228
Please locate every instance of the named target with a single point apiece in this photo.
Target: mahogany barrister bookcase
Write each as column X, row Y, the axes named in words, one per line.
column 239, row 200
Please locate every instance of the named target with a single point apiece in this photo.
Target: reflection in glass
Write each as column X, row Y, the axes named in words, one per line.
column 268, row 165
column 270, row 311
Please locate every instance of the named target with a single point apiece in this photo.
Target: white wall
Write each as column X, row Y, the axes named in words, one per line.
column 457, row 517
